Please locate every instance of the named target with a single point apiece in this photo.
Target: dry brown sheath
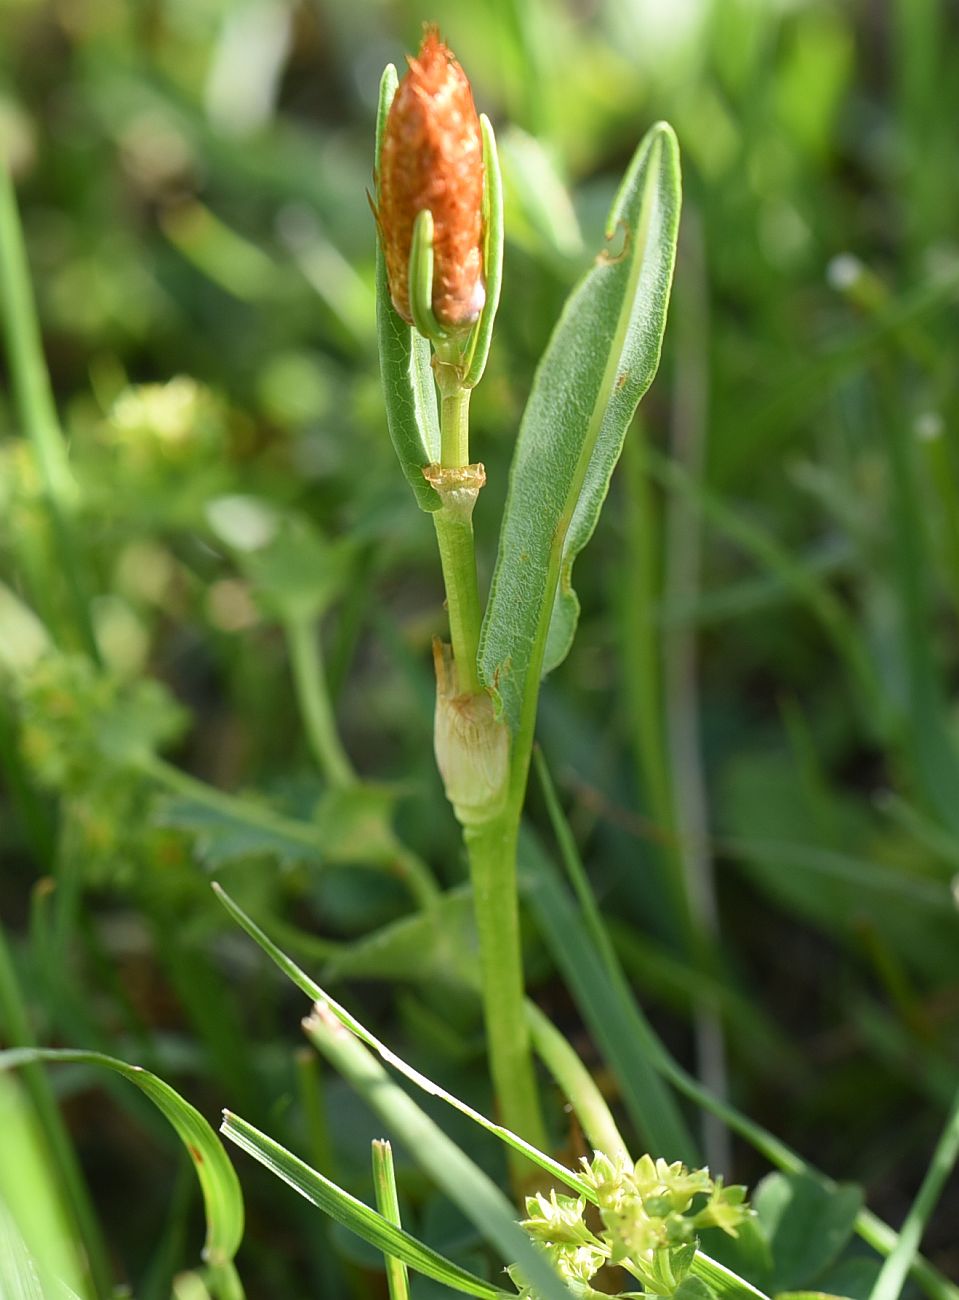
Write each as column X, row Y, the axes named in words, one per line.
column 432, row 158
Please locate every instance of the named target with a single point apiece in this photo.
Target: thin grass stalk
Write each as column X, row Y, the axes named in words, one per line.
column 895, row 1270
column 36, row 409
column 388, row 1204
column 688, row 855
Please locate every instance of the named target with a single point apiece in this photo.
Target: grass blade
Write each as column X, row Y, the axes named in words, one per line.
column 222, row 1197
column 467, row 1186
column 319, row 995
column 895, row 1270
column 564, row 931
column 604, row 1000
column 352, row 1213
column 388, row 1204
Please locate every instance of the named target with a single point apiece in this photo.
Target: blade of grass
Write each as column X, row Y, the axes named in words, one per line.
column 565, row 933
column 318, row 995
column 352, row 1213
column 222, row 1198
column 649, row 1103
column 39, row 1247
column 934, row 755
column 466, row 1185
column 427, row 1142
column 895, row 1270
column 36, row 409
column 387, row 1202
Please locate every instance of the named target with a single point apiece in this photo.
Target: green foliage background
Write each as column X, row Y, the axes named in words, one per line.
column 765, row 672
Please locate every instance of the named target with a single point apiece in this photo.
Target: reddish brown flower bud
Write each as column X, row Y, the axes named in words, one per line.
column 432, row 158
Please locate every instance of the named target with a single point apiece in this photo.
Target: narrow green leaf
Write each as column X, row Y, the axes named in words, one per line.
column 599, row 362
column 19, row 1279
column 895, row 1270
column 564, row 931
column 405, row 364
column 222, row 1197
column 353, row 1213
column 442, row 1157
column 388, row 1204
column 40, row 1251
column 466, row 1185
column 621, row 1031
column 319, row 995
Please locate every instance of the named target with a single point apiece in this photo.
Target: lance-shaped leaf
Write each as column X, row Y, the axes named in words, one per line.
column 599, row 362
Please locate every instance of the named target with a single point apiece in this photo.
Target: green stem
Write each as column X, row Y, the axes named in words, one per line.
column 894, row 1271
column 454, row 428
column 454, row 535
column 306, row 661
column 224, row 1282
column 491, row 843
column 571, row 1075
column 491, row 847
column 35, row 406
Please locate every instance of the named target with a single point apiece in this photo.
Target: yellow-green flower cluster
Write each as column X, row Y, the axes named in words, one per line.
column 649, row 1215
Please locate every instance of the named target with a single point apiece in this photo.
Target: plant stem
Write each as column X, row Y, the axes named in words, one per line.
column 306, row 661
column 454, row 535
column 35, row 406
column 490, row 842
column 588, row 1104
column 491, row 847
column 224, row 1282
column 894, row 1271
column 454, row 428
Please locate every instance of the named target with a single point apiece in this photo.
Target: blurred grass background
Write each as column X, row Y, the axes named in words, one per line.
column 763, row 686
